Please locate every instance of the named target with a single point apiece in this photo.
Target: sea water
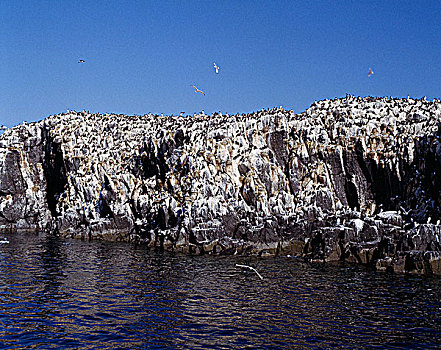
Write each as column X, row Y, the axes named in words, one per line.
column 59, row 293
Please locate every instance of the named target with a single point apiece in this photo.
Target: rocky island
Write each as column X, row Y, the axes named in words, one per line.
column 350, row 179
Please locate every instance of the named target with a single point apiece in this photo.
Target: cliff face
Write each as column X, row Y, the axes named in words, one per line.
column 352, row 179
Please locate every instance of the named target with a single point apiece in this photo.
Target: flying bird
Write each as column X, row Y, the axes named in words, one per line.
column 197, row 90
column 81, row 61
column 216, row 67
column 370, row 72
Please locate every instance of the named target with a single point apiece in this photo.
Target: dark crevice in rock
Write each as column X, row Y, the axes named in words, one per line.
column 12, row 182
column 54, row 171
column 277, row 144
column 351, row 195
column 352, row 171
column 145, row 165
column 424, row 187
column 106, row 197
column 181, row 138
column 151, row 162
column 104, row 209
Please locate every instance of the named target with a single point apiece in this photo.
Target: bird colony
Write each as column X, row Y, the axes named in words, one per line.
column 351, row 179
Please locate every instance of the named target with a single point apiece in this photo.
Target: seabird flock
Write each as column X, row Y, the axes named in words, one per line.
column 215, row 66
column 216, row 69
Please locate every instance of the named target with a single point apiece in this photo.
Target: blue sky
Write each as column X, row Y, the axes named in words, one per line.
column 142, row 56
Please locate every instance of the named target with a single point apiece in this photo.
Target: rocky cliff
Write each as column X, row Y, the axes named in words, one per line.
column 351, row 179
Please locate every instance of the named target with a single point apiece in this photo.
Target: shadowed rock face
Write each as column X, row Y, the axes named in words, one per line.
column 351, row 179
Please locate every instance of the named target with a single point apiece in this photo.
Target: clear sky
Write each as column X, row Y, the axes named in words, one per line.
column 142, row 56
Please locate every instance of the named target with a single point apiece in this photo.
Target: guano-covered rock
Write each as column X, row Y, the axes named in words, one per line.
column 351, row 179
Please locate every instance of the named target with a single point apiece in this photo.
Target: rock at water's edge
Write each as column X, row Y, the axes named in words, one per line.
column 351, row 179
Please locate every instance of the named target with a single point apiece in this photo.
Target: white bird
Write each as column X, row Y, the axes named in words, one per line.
column 370, row 72
column 197, row 90
column 216, row 67
column 251, row 268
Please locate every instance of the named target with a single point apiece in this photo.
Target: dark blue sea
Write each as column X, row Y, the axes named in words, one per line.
column 58, row 293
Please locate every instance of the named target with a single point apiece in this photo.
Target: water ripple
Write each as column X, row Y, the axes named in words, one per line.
column 73, row 294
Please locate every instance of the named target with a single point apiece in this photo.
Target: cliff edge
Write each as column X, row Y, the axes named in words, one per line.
column 351, row 179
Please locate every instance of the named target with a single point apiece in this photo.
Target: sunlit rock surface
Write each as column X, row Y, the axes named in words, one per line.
column 351, row 179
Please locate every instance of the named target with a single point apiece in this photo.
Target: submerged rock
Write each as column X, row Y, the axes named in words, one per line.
column 352, row 179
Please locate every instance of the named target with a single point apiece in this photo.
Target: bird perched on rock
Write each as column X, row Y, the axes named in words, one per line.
column 197, row 90
column 81, row 61
column 370, row 72
column 216, row 67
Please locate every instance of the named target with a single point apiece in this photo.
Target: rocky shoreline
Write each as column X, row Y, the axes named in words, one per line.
column 351, row 179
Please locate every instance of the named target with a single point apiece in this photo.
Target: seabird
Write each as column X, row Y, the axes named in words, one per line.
column 197, row 90
column 81, row 61
column 370, row 72
column 216, row 67
column 251, row 268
